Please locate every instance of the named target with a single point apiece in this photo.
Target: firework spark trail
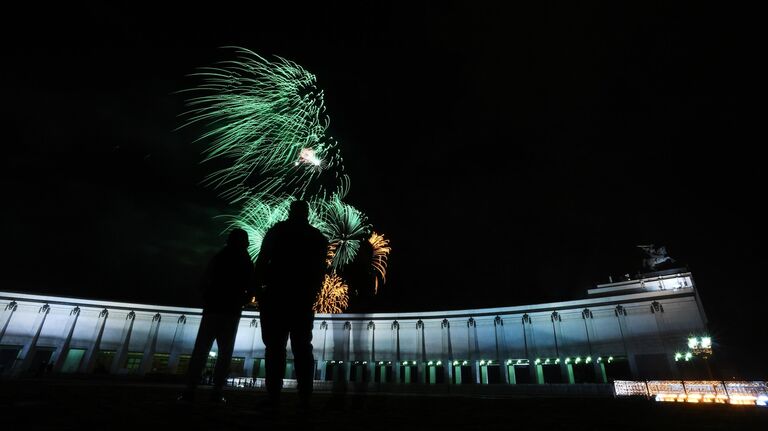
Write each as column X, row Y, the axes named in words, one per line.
column 262, row 212
column 262, row 114
column 381, row 251
column 267, row 120
column 334, row 296
column 345, row 227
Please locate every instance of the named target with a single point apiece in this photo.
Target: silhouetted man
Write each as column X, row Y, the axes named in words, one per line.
column 225, row 291
column 291, row 267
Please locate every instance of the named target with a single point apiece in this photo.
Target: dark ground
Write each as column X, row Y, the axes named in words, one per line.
column 64, row 405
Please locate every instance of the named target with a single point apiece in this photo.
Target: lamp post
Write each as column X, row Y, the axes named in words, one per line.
column 698, row 347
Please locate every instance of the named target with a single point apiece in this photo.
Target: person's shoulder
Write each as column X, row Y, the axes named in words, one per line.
column 314, row 230
column 318, row 234
column 277, row 227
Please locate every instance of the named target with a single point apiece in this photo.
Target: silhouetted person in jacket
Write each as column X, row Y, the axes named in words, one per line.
column 225, row 291
column 290, row 267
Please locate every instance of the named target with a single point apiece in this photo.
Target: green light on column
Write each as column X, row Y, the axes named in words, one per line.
column 537, row 361
column 678, row 356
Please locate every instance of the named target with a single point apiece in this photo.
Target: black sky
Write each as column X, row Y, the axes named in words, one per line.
column 513, row 155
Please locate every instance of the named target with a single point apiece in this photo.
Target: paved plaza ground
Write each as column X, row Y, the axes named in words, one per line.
column 54, row 404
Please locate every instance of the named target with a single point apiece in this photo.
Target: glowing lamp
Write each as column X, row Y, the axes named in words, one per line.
column 693, row 342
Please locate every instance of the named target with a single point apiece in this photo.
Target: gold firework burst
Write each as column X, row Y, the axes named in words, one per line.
column 381, row 251
column 334, row 297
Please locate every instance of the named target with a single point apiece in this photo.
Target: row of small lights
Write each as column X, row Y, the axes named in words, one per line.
column 576, row 360
column 547, row 361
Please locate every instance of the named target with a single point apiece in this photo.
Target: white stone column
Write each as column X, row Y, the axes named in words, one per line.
column 5, row 317
column 323, row 362
column 150, row 346
column 396, row 348
column 421, row 353
column 89, row 359
column 175, row 349
column 249, row 358
column 501, row 359
column 125, row 339
column 565, row 370
column 661, row 327
column 346, row 368
column 63, row 347
column 371, row 369
column 589, row 329
column 447, row 351
column 473, row 349
column 534, row 369
column 28, row 351
column 621, row 317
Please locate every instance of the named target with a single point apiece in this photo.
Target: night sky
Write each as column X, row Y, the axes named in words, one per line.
column 512, row 155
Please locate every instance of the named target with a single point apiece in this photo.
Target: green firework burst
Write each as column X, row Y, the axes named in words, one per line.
column 263, row 116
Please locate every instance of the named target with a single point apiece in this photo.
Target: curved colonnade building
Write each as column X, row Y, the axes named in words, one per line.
column 629, row 329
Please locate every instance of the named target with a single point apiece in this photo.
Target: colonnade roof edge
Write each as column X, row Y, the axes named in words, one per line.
column 478, row 312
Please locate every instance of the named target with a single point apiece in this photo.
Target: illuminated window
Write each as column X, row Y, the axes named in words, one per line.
column 160, row 363
column 104, row 360
column 72, row 361
column 133, row 362
column 183, row 365
column 237, row 367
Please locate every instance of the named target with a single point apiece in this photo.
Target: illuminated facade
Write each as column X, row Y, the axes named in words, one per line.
column 624, row 330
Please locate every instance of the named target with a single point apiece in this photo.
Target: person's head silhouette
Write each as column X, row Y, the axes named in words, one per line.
column 299, row 211
column 238, row 238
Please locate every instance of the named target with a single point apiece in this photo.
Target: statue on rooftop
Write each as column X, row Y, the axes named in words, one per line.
column 655, row 258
